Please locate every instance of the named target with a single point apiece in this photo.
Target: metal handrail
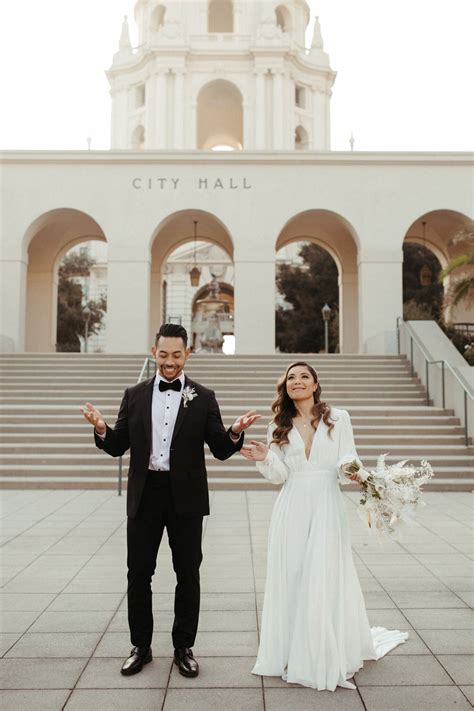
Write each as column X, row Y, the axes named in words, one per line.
column 428, row 362
column 144, row 369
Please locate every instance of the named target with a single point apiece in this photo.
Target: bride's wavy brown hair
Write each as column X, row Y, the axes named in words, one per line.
column 284, row 408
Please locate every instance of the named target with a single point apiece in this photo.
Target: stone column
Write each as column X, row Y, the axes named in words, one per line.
column 151, row 122
column 193, row 145
column 161, row 110
column 380, row 303
column 259, row 116
column 119, row 137
column 277, row 110
column 254, row 303
column 319, row 119
column 128, row 304
column 247, row 119
column 12, row 305
column 348, row 313
column 179, row 109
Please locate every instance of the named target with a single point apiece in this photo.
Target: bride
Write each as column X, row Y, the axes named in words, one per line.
column 315, row 630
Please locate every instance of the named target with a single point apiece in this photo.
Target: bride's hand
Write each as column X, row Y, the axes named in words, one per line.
column 254, row 451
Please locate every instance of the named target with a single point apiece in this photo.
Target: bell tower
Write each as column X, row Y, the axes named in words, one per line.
column 221, row 74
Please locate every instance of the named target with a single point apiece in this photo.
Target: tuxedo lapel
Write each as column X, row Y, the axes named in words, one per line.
column 147, row 405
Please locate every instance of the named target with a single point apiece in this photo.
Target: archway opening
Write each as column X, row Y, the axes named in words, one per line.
column 46, row 242
column 192, row 280
column 220, row 16
column 82, row 299
column 306, row 287
column 438, row 241
column 318, row 267
column 220, row 116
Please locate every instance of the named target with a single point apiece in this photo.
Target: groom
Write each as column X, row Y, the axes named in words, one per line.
column 165, row 422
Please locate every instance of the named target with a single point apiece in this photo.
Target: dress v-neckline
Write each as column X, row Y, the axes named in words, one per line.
column 307, row 457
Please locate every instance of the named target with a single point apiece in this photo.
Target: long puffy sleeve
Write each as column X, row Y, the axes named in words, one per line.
column 273, row 467
column 347, row 450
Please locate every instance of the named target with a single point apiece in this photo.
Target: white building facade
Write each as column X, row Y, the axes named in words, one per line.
column 234, row 75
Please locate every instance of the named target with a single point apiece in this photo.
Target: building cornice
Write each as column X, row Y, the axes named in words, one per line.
column 166, row 157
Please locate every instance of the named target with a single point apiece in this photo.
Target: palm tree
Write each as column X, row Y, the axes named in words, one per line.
column 462, row 284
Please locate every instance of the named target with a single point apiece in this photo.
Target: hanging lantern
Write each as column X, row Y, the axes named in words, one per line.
column 195, row 276
column 195, row 272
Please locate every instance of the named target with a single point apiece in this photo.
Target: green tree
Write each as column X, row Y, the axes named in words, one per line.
column 71, row 317
column 306, row 288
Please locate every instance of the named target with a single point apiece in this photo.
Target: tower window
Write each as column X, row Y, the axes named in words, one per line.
column 158, row 18
column 300, row 96
column 282, row 17
column 138, row 138
column 221, row 16
column 140, row 96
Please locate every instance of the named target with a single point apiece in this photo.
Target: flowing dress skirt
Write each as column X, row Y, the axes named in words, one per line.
column 315, row 629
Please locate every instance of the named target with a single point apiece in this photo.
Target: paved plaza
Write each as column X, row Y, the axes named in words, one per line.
column 64, row 627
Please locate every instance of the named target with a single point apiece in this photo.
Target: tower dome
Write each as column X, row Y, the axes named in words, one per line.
column 229, row 74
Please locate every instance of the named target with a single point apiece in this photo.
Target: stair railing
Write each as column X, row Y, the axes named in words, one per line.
column 414, row 341
column 144, row 373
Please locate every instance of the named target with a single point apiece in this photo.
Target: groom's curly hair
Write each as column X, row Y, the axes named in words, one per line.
column 284, row 408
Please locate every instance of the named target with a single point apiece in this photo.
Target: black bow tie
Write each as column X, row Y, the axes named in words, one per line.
column 165, row 385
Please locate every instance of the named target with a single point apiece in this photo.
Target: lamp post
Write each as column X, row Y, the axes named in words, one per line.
column 87, row 315
column 326, row 312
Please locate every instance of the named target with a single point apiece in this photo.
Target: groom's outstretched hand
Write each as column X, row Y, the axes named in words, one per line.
column 244, row 422
column 94, row 416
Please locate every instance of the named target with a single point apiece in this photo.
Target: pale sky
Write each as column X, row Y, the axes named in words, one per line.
column 404, row 72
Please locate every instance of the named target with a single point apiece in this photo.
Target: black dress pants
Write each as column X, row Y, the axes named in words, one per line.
column 144, row 534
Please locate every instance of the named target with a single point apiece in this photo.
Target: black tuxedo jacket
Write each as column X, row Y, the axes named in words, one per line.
column 196, row 424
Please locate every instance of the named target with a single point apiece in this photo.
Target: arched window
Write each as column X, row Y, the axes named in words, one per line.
column 301, row 138
column 283, row 18
column 138, row 138
column 220, row 16
column 220, row 116
column 158, row 18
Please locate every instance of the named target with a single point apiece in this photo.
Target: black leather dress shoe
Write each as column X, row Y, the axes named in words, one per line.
column 138, row 657
column 184, row 660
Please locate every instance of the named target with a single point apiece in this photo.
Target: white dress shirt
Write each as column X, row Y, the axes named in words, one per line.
column 164, row 411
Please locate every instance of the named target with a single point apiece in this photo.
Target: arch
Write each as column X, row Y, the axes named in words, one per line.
column 46, row 241
column 434, row 230
column 138, row 138
column 220, row 16
column 335, row 234
column 301, row 138
column 157, row 19
column 283, row 18
column 220, row 115
column 175, row 230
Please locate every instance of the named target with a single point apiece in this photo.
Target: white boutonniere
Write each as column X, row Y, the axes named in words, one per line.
column 188, row 395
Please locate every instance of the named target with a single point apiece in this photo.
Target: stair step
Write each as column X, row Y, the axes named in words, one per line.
column 47, row 444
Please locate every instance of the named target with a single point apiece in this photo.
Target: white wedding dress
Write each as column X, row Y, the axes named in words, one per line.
column 315, row 630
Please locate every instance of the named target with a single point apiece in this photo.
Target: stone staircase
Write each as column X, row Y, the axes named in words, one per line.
column 45, row 442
